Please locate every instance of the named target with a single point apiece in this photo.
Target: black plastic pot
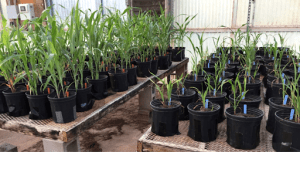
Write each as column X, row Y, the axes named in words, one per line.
column 165, row 120
column 17, row 102
column 253, row 88
column 275, row 104
column 40, row 108
column 250, row 100
column 84, row 98
column 3, row 105
column 131, row 76
column 154, row 66
column 163, row 62
column 243, row 132
column 143, row 68
column 203, row 125
column 63, row 109
column 273, row 90
column 185, row 99
column 86, row 73
column 99, row 87
column 108, row 78
column 286, row 133
column 199, row 84
column 220, row 100
column 118, row 80
column 169, row 59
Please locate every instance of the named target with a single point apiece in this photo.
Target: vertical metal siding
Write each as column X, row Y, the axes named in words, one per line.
column 277, row 13
column 210, row 13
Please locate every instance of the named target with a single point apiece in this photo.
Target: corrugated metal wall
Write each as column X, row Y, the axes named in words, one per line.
column 85, row 5
column 211, row 13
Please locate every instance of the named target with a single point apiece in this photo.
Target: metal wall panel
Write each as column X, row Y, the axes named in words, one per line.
column 277, row 13
column 211, row 13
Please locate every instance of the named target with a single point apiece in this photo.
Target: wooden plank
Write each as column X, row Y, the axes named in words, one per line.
column 66, row 132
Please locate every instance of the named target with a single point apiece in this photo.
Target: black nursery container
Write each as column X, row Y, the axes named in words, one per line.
column 165, row 120
column 220, row 100
column 154, row 66
column 40, row 108
column 118, row 80
column 199, row 84
column 177, row 54
column 286, row 133
column 108, row 78
column 187, row 98
column 63, row 109
column 250, row 100
column 3, row 105
column 84, row 98
column 275, row 104
column 163, row 62
column 253, row 88
column 99, row 87
column 17, row 102
column 203, row 125
column 143, row 68
column 243, row 132
column 273, row 90
column 131, row 76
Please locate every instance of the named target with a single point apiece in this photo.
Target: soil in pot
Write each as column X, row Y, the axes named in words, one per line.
column 219, row 99
column 165, row 119
column 286, row 133
column 84, row 97
column 16, row 102
column 250, row 100
column 163, row 62
column 243, row 132
column 132, row 76
column 185, row 98
column 203, row 123
column 99, row 86
column 143, row 68
column 40, row 108
column 154, row 66
column 118, row 80
column 275, row 104
column 63, row 108
column 3, row 105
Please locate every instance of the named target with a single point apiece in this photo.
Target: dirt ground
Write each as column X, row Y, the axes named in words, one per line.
column 116, row 132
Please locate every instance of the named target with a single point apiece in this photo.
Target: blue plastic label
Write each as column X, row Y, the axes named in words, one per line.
column 228, row 61
column 292, row 114
column 245, row 109
column 169, row 103
column 249, row 78
column 247, row 74
column 219, row 54
column 285, row 99
column 253, row 63
column 272, row 58
column 220, row 79
column 182, row 91
column 195, row 76
column 213, row 55
column 208, row 61
column 298, row 69
column 224, row 73
column 214, row 92
column 287, row 56
column 269, row 55
column 283, row 81
column 83, row 105
column 282, row 75
column 206, row 103
column 208, row 65
column 243, row 97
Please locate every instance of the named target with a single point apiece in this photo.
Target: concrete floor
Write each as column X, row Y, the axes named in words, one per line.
column 116, row 132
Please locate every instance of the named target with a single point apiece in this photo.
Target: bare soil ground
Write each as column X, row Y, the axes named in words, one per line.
column 116, row 132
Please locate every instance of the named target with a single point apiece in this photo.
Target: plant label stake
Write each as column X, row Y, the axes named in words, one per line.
column 269, row 55
column 169, row 103
column 220, row 79
column 249, row 78
column 287, row 56
column 253, row 63
column 228, row 61
column 283, row 81
column 282, row 75
column 243, row 97
column 213, row 55
column 272, row 58
column 48, row 90
column 292, row 114
column 285, row 99
column 223, row 73
column 299, row 68
column 133, row 65
column 195, row 76
column 208, row 65
column 67, row 94
column 245, row 109
column 85, row 85
column 214, row 92
column 182, row 91
column 27, row 87
column 219, row 54
column 208, row 61
column 206, row 103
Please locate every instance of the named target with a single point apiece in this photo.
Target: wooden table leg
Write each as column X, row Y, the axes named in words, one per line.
column 60, row 146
